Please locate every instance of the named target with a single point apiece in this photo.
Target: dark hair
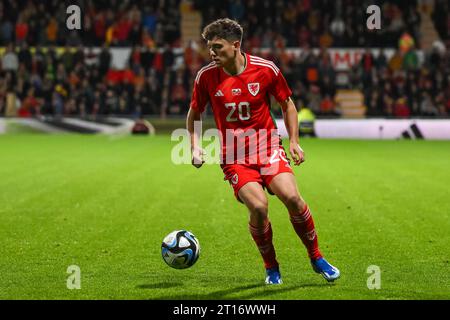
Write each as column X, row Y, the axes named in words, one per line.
column 226, row 29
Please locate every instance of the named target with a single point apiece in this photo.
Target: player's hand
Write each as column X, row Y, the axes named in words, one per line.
column 197, row 157
column 297, row 153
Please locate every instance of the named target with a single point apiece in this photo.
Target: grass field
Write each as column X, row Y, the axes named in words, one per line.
column 105, row 204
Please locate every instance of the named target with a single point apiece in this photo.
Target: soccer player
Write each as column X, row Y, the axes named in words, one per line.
column 238, row 87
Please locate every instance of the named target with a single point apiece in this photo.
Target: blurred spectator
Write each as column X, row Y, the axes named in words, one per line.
column 401, row 108
column 314, row 99
column 237, row 10
column 104, row 60
column 396, row 62
column 52, row 31
column 6, row 32
column 327, row 106
column 381, row 60
column 406, row 42
column 427, row 106
column 10, row 61
column 30, row 105
column 410, row 60
column 374, row 104
column 326, row 40
column 22, row 29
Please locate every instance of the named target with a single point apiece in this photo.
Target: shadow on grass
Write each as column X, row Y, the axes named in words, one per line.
column 258, row 290
column 161, row 285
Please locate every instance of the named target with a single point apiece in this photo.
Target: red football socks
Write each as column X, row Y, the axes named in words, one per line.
column 263, row 239
column 303, row 224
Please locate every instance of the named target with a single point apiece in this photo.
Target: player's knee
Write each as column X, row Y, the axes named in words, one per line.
column 258, row 219
column 259, row 209
column 295, row 203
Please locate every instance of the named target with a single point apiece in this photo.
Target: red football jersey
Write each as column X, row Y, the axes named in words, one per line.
column 242, row 102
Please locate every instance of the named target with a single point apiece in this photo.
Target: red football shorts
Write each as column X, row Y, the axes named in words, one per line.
column 240, row 174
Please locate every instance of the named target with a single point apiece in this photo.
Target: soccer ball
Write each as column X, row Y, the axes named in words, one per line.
column 180, row 249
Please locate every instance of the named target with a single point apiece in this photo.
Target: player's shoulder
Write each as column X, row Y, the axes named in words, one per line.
column 264, row 64
column 206, row 71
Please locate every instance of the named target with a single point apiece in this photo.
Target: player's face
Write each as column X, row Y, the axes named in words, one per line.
column 222, row 51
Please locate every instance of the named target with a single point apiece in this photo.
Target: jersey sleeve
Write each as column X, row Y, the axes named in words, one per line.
column 279, row 87
column 200, row 95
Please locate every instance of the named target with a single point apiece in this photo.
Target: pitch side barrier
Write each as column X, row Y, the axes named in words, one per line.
column 428, row 129
column 2, row 126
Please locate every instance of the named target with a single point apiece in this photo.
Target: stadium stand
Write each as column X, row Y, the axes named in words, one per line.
column 47, row 70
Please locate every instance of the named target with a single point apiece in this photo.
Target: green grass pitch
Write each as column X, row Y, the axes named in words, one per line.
column 105, row 204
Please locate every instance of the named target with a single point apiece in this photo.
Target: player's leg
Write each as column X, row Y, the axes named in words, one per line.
column 284, row 186
column 253, row 196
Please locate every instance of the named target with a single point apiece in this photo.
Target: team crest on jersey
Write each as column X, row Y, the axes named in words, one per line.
column 253, row 88
column 235, row 179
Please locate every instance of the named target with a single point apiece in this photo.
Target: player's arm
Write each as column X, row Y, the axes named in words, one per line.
column 198, row 103
column 197, row 153
column 290, row 120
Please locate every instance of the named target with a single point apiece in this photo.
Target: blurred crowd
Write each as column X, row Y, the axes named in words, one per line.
column 76, row 82
column 403, row 86
column 38, row 77
column 317, row 23
column 291, row 23
column 110, row 22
